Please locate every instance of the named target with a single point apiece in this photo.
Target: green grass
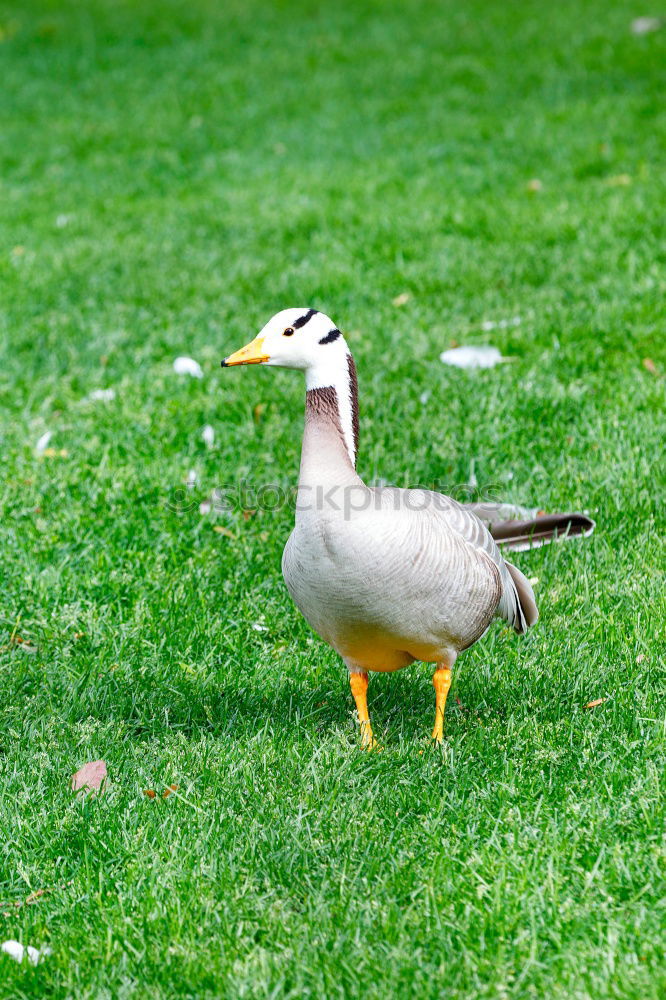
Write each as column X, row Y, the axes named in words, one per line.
column 171, row 175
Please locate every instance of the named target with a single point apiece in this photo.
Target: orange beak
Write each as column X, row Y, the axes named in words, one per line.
column 251, row 354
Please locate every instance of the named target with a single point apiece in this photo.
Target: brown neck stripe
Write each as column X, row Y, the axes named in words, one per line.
column 324, row 403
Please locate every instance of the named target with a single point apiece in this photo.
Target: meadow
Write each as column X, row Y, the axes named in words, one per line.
column 428, row 174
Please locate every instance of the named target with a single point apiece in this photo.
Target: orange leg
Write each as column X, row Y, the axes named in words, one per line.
column 441, row 682
column 359, row 688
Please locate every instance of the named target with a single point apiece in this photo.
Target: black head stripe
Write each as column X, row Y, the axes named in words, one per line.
column 330, row 336
column 305, row 318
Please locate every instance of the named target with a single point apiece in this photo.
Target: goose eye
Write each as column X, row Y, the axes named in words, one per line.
column 289, row 332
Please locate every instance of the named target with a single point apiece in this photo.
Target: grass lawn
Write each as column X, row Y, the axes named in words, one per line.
column 171, row 175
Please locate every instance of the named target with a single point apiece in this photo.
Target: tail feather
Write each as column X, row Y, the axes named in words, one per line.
column 519, row 528
column 524, row 612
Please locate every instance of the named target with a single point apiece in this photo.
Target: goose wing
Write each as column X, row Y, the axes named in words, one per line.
column 517, row 605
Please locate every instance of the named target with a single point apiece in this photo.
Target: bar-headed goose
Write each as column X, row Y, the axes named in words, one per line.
column 385, row 575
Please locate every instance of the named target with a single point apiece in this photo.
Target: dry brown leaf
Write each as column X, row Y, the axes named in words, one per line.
column 167, row 791
column 258, row 412
column 89, row 777
column 149, row 793
column 221, row 530
column 650, row 366
column 27, row 645
column 33, row 897
column 597, row 701
column 36, row 894
column 402, row 299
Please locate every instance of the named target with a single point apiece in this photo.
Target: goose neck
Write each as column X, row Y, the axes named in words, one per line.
column 330, row 438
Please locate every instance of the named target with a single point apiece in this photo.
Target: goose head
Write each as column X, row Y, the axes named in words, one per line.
column 309, row 341
column 304, row 339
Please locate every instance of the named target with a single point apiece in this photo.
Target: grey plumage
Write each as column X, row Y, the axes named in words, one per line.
column 387, row 576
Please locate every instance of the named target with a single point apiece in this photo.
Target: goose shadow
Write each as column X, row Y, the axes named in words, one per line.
column 403, row 701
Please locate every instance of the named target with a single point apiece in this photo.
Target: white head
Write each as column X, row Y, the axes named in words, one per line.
column 310, row 342
column 298, row 338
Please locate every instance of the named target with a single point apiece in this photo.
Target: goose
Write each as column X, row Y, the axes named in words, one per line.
column 386, row 576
